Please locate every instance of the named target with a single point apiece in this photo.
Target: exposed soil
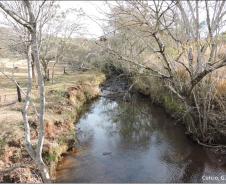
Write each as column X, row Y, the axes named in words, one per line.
column 64, row 103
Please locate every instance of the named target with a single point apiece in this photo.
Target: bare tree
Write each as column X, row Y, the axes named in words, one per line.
column 57, row 36
column 29, row 15
column 156, row 28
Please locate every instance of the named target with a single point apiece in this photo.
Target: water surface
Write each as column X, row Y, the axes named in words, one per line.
column 136, row 142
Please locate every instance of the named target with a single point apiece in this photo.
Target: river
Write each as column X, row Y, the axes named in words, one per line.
column 136, row 142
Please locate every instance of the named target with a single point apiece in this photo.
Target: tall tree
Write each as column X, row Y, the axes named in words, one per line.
column 170, row 32
column 30, row 15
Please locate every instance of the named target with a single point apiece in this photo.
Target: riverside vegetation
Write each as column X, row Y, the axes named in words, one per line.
column 168, row 51
column 175, row 58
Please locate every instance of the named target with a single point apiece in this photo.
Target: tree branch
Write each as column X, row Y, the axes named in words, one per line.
column 17, row 18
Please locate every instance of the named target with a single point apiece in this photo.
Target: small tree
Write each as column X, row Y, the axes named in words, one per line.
column 57, row 37
column 29, row 16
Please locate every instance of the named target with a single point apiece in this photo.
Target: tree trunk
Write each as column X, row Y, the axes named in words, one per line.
column 47, row 74
column 27, row 132
column 41, row 128
column 33, row 55
column 33, row 70
column 64, row 70
column 18, row 93
column 53, row 69
column 45, row 63
column 41, row 133
column 44, row 172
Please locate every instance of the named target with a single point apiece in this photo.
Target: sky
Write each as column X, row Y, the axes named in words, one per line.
column 93, row 10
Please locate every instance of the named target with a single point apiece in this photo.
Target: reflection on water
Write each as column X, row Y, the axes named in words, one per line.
column 136, row 143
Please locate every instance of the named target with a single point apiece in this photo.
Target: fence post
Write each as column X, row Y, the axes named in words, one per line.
column 18, row 93
column 64, row 70
column 47, row 74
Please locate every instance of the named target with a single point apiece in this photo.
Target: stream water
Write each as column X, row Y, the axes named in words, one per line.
column 136, row 142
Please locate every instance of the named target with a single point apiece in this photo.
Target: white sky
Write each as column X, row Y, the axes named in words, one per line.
column 92, row 9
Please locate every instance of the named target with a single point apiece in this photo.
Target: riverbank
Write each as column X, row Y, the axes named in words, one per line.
column 65, row 101
column 158, row 94
column 155, row 89
column 139, row 142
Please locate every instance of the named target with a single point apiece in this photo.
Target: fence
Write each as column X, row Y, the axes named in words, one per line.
column 9, row 91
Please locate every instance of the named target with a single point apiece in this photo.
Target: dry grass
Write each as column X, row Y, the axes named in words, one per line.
column 8, row 88
column 221, row 87
column 10, row 108
column 64, row 99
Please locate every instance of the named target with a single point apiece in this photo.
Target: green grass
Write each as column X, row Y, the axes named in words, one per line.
column 51, row 158
column 172, row 105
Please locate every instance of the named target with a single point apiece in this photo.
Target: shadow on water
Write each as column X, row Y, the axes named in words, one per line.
column 136, row 142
